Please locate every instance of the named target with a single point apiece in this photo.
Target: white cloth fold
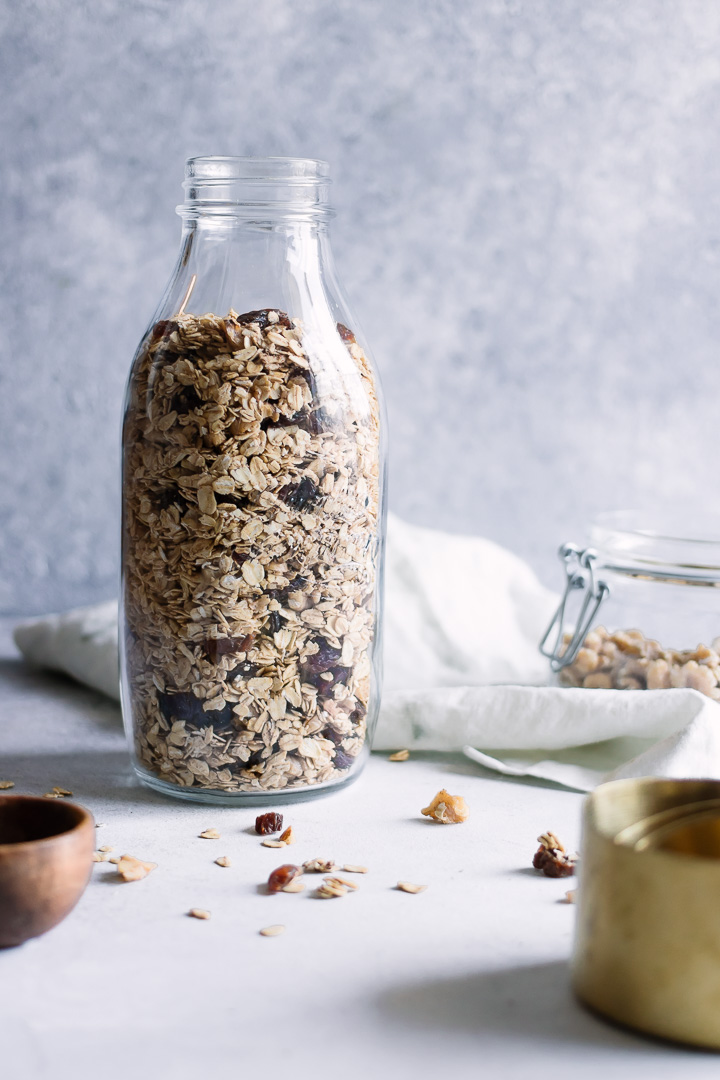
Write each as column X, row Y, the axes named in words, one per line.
column 462, row 615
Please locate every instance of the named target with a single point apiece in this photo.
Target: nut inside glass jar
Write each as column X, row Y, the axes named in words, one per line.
column 649, row 607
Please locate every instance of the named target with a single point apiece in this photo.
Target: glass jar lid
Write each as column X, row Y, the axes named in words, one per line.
column 667, row 545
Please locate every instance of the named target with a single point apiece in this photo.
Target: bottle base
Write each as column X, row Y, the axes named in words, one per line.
column 210, row 797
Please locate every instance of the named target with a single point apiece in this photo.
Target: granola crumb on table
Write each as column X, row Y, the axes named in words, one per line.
column 447, row 809
column 251, row 490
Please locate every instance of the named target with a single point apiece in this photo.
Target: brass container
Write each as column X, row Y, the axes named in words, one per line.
column 647, row 939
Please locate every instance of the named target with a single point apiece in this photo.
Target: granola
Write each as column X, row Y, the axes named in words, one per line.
column 251, row 516
column 627, row 660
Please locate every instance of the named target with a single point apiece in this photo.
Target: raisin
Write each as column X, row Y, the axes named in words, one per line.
column 189, row 709
column 246, row 670
column 345, row 334
column 169, row 497
column 342, row 760
column 299, row 495
column 325, row 658
column 333, row 735
column 282, row 877
column 275, row 622
column 226, row 646
column 186, row 400
column 261, row 318
column 268, row 823
column 162, row 329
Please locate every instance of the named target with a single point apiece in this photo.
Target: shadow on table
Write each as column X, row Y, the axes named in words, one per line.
column 94, row 776
column 526, row 1003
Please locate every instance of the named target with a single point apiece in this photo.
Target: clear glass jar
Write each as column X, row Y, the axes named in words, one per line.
column 641, row 607
column 253, row 509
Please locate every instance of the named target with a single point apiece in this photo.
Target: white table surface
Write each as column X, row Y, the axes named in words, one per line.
column 467, row 979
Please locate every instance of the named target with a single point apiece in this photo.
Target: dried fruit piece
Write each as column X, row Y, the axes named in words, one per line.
column 268, row 823
column 349, row 868
column 5, row 785
column 288, row 837
column 272, row 931
column 408, row 886
column 210, row 834
column 131, row 869
column 223, row 861
column 401, row 755
column 552, row 858
column 321, row 866
column 283, row 876
column 198, row 913
column 447, row 809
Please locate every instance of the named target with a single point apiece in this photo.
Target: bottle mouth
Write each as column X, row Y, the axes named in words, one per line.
column 226, row 185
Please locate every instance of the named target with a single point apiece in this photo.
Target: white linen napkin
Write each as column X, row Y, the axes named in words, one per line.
column 463, row 615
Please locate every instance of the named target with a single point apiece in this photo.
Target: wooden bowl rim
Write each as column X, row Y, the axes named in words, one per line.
column 86, row 818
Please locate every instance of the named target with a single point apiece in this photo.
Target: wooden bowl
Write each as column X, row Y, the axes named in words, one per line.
column 46, row 859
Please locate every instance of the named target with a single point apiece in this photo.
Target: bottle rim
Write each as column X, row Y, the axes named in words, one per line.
column 258, row 188
column 659, row 543
column 224, row 168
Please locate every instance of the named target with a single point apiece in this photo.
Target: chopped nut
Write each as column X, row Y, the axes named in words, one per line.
column 272, row 931
column 210, row 834
column 350, row 869
column 552, row 858
column 198, row 913
column 268, row 823
column 5, row 785
column 321, row 866
column 131, row 869
column 401, row 755
column 223, row 861
column 407, row 886
column 282, row 876
column 447, row 809
column 288, row 837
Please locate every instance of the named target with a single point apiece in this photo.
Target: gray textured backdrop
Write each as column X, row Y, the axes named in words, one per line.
column 529, row 228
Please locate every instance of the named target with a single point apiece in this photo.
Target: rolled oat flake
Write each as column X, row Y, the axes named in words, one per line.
column 253, row 515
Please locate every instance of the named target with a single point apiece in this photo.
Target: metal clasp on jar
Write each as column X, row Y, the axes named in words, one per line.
column 580, row 576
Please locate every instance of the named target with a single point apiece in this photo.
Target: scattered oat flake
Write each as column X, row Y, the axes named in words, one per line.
column 407, row 886
column 61, row 792
column 223, row 861
column 272, row 931
column 131, row 869
column 105, row 847
column 273, row 843
column 5, row 785
column 570, row 896
column 350, row 868
column 401, row 755
column 210, row 834
column 288, row 837
column 198, row 913
column 341, row 882
column 100, row 856
column 293, row 887
column 447, row 809
column 330, row 889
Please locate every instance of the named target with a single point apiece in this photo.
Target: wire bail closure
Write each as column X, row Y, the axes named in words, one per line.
column 580, row 575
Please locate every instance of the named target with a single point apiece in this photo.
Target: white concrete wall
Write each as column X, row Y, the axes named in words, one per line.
column 529, row 227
